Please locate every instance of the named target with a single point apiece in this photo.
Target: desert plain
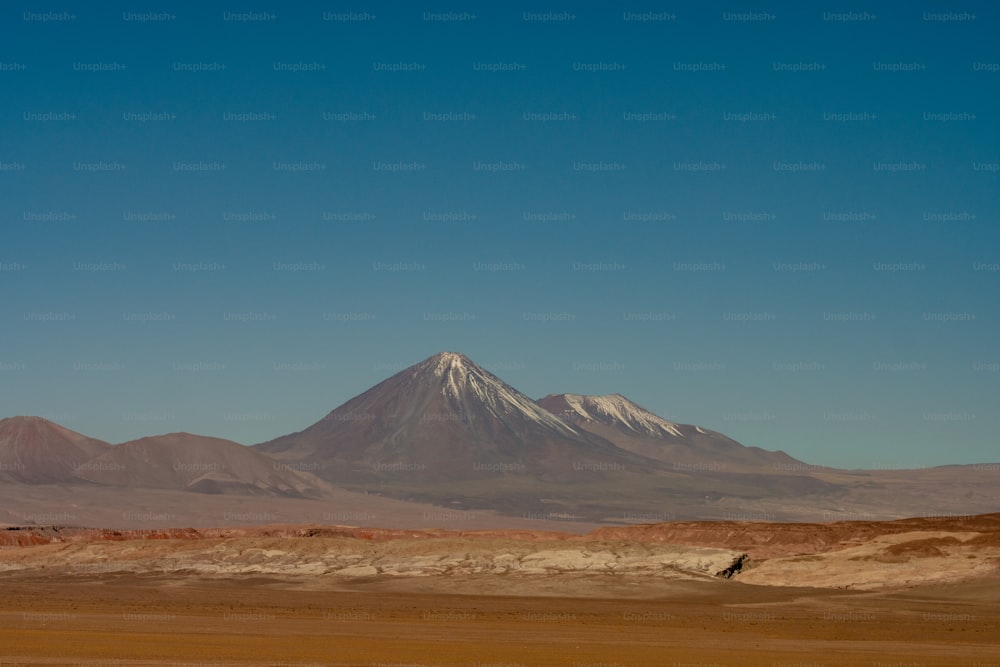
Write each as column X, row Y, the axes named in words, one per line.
column 921, row 591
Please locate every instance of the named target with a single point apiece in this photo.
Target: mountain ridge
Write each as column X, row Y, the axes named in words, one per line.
column 634, row 428
column 447, row 433
column 191, row 462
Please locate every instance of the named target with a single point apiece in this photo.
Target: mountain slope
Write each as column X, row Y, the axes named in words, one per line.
column 36, row 451
column 182, row 461
column 446, row 418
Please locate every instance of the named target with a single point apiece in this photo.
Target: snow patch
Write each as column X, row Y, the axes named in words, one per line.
column 621, row 410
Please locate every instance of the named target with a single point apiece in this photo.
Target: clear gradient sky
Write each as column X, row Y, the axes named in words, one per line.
column 776, row 220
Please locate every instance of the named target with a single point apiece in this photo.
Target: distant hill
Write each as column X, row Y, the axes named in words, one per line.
column 36, row 451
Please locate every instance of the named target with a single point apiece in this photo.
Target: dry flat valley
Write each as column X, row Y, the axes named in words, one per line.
column 909, row 592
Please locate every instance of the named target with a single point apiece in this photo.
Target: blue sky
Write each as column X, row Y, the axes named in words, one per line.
column 230, row 220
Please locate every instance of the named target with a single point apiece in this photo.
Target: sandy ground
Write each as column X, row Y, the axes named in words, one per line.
column 483, row 620
column 878, row 594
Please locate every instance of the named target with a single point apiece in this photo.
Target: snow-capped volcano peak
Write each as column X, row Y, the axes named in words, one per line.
column 449, row 362
column 467, row 384
column 611, row 409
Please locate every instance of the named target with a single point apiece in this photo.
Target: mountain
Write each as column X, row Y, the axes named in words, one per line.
column 448, row 432
column 448, row 419
column 682, row 446
column 182, row 461
column 34, row 450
